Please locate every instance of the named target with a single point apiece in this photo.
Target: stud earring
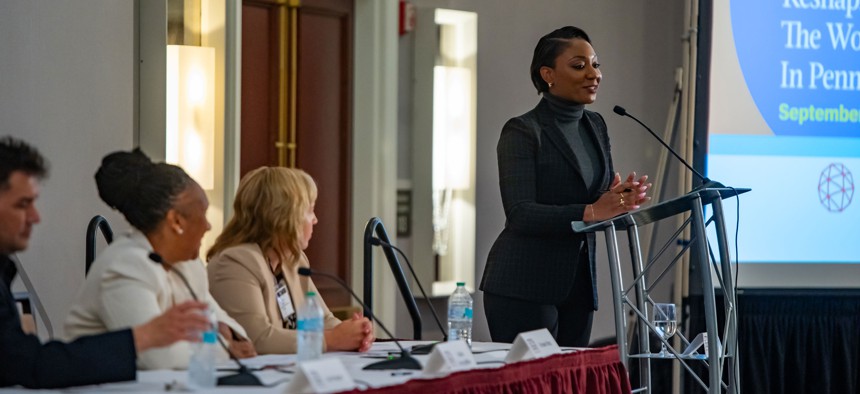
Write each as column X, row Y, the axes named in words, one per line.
column 550, row 84
column 180, row 231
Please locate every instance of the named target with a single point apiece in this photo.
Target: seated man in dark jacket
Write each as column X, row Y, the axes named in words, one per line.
column 24, row 360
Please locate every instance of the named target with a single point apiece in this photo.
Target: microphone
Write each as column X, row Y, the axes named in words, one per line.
column 243, row 377
column 420, row 349
column 706, row 183
column 31, row 292
column 405, row 361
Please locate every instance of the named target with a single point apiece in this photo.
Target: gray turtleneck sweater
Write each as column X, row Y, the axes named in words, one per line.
column 567, row 118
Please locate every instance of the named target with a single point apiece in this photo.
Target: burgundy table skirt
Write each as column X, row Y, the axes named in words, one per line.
column 592, row 371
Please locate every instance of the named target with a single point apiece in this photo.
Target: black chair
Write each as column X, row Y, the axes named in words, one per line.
column 374, row 226
column 98, row 222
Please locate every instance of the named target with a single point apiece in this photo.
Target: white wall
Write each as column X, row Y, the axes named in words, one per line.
column 374, row 179
column 66, row 86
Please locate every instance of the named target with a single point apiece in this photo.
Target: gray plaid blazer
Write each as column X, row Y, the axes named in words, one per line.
column 537, row 255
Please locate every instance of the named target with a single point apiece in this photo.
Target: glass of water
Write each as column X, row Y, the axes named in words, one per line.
column 664, row 320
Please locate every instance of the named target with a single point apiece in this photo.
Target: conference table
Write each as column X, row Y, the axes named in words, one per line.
column 575, row 370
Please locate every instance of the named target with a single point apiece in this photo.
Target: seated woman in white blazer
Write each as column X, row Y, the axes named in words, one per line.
column 253, row 266
column 139, row 275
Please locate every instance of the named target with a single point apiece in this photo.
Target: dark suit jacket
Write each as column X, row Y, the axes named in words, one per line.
column 25, row 361
column 536, row 256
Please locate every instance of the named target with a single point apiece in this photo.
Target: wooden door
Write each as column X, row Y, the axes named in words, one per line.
column 262, row 100
column 297, row 111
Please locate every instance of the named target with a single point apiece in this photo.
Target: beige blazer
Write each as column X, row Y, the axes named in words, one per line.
column 125, row 288
column 243, row 283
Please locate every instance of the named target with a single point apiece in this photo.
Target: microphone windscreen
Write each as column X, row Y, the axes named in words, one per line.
column 304, row 271
column 156, row 258
column 620, row 111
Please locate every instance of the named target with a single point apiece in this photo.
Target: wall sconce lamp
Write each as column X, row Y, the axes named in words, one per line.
column 190, row 141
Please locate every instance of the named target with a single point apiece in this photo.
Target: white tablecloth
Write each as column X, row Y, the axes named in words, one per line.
column 271, row 371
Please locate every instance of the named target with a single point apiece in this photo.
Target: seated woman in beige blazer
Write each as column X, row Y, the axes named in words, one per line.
column 254, row 262
column 141, row 275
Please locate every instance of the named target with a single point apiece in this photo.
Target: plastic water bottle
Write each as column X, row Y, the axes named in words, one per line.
column 460, row 315
column 310, row 329
column 204, row 356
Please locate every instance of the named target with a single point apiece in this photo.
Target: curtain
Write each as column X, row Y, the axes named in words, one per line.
column 796, row 341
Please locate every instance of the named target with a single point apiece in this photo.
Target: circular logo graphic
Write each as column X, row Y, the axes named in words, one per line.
column 836, row 187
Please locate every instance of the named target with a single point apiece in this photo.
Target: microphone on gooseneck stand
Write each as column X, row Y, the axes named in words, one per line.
column 243, row 377
column 706, row 183
column 420, row 349
column 405, row 361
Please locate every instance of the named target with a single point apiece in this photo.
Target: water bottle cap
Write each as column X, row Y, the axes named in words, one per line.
column 310, row 294
column 459, row 284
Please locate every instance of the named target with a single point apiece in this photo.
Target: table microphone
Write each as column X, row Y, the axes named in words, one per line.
column 405, row 361
column 706, row 183
column 243, row 377
column 419, row 349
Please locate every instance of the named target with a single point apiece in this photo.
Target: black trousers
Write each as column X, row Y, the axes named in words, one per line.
column 569, row 321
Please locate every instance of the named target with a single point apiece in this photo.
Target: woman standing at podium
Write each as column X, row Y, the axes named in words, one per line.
column 555, row 167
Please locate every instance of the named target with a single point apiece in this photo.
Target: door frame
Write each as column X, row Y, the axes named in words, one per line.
column 374, row 139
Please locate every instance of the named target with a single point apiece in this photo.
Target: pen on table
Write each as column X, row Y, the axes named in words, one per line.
column 401, row 373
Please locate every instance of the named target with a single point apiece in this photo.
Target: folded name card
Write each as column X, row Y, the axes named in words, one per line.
column 698, row 342
column 326, row 375
column 450, row 357
column 531, row 345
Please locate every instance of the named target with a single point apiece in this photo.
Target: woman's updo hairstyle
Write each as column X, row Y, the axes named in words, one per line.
column 141, row 190
column 548, row 48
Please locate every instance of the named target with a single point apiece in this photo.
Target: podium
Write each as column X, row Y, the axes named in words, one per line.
column 719, row 358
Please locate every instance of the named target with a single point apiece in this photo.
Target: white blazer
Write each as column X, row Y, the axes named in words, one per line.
column 125, row 288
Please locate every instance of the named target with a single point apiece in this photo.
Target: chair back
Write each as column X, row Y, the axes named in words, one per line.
column 98, row 222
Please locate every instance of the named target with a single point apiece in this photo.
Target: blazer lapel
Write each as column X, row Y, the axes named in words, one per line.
column 601, row 149
column 550, row 130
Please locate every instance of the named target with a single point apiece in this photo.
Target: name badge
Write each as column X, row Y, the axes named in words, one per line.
column 532, row 344
column 285, row 303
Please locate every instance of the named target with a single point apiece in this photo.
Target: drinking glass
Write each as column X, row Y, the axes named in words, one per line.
column 664, row 320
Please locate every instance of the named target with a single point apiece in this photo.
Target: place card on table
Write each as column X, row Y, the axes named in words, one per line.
column 531, row 345
column 326, row 375
column 700, row 341
column 450, row 357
